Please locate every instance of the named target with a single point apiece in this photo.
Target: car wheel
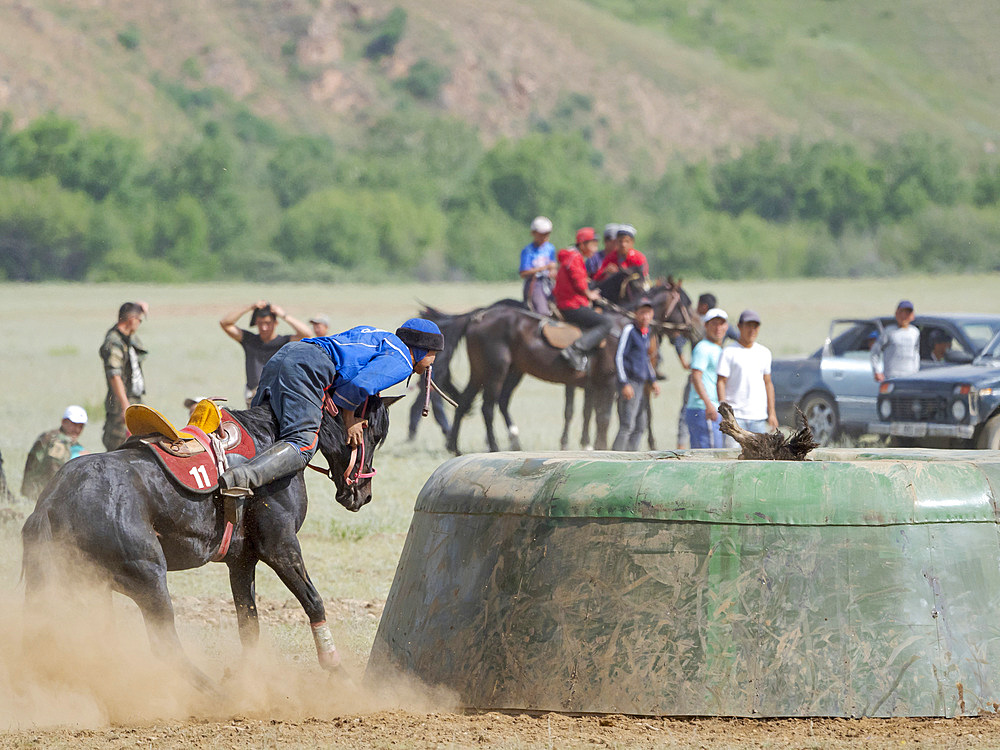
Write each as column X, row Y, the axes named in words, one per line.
column 821, row 412
column 989, row 435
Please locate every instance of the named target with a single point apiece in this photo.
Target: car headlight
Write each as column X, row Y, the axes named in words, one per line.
column 884, row 408
column 958, row 410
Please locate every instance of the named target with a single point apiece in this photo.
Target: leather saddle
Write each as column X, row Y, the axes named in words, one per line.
column 194, row 455
column 558, row 334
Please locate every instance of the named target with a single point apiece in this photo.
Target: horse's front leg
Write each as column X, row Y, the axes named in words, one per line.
column 283, row 555
column 241, row 582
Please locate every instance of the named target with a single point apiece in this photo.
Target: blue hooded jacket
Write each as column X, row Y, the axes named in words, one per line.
column 368, row 360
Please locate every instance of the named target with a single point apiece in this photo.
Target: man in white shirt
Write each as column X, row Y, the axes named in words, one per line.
column 744, row 379
column 896, row 353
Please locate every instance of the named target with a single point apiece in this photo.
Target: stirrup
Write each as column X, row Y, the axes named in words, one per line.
column 236, row 492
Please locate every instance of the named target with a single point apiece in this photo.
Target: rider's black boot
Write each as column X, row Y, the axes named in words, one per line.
column 280, row 460
column 576, row 357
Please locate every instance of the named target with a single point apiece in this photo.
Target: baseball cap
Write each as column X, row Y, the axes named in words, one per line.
column 320, row 318
column 542, row 225
column 610, row 231
column 75, row 414
column 644, row 302
column 749, row 316
column 715, row 312
column 626, row 229
column 905, row 304
column 585, row 235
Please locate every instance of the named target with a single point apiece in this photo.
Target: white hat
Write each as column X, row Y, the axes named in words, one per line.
column 75, row 414
column 610, row 231
column 715, row 312
column 542, row 225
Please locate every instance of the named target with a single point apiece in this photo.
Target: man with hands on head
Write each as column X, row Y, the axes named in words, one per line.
column 260, row 347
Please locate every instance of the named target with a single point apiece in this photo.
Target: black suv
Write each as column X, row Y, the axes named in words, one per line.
column 951, row 407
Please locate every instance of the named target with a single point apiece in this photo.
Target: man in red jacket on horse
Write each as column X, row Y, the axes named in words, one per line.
column 573, row 296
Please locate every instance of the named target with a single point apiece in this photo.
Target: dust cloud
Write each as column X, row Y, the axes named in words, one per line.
column 86, row 662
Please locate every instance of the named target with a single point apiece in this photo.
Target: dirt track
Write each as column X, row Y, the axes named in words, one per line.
column 402, row 729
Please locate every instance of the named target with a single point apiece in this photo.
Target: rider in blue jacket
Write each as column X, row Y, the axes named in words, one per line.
column 352, row 365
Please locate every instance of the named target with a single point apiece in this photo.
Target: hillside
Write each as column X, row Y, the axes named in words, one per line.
column 645, row 78
column 306, row 139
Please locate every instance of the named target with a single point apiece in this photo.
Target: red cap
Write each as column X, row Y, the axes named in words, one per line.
column 585, row 235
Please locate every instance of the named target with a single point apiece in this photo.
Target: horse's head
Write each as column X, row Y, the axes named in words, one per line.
column 673, row 311
column 352, row 469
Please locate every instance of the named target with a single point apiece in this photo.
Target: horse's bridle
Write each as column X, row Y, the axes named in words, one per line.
column 349, row 479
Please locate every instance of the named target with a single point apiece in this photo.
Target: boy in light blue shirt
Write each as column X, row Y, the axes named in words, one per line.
column 701, row 412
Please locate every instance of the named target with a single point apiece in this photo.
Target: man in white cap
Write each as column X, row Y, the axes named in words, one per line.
column 538, row 263
column 701, row 410
column 51, row 450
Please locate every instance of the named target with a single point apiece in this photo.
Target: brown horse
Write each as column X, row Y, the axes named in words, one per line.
column 503, row 344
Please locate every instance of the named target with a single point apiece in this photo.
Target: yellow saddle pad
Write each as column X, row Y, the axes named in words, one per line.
column 145, row 420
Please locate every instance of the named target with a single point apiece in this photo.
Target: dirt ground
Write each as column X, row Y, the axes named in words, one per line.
column 278, row 703
column 406, row 729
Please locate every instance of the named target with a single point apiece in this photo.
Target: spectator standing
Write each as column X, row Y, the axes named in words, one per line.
column 896, row 353
column 744, row 379
column 51, row 450
column 122, row 354
column 636, row 379
column 538, row 262
column 573, row 296
column 701, row 410
column 706, row 302
column 610, row 246
column 320, row 323
column 258, row 348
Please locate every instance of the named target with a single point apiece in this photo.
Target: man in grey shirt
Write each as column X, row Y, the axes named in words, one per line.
column 896, row 353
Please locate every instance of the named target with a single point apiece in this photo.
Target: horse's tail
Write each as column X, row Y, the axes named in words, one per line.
column 36, row 539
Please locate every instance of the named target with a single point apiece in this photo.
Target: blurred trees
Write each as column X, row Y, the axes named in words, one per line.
column 420, row 197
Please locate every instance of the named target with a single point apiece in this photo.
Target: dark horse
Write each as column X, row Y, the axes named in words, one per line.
column 121, row 517
column 503, row 344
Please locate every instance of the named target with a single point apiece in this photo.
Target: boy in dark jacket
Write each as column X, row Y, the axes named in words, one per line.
column 636, row 378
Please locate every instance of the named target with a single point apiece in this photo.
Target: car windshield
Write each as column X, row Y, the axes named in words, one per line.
column 992, row 350
column 979, row 333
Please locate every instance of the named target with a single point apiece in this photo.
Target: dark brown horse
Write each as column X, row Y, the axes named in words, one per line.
column 503, row 344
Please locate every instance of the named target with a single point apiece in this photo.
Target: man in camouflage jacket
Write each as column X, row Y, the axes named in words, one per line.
column 122, row 354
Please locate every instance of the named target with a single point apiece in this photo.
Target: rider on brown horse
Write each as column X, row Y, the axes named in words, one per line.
column 573, row 297
column 351, row 366
column 625, row 257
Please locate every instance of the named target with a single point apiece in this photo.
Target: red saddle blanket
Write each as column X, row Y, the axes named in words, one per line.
column 198, row 472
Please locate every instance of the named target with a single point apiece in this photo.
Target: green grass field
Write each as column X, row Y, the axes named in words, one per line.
column 52, row 333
